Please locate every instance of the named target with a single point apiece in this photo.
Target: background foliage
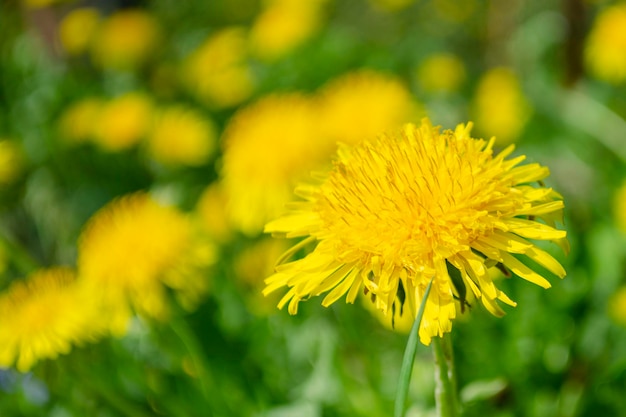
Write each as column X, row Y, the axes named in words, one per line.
column 559, row 353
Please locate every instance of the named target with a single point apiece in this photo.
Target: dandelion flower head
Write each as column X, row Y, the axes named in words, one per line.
column 362, row 104
column 283, row 25
column 11, row 161
column 125, row 40
column 268, row 147
column 212, row 215
column 500, row 106
column 217, row 71
column 417, row 205
column 77, row 29
column 181, row 136
column 605, row 48
column 122, row 122
column 441, row 72
column 42, row 317
column 76, row 124
column 133, row 249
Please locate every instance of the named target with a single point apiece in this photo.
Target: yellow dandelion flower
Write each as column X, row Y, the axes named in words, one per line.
column 441, row 73
column 11, row 161
column 78, row 28
column 133, row 249
column 182, row 136
column 605, row 48
column 362, row 104
column 454, row 11
column 76, row 124
column 500, row 106
column 414, row 206
column 125, row 40
column 217, row 71
column 212, row 215
column 42, row 317
column 268, row 146
column 122, row 122
column 283, row 25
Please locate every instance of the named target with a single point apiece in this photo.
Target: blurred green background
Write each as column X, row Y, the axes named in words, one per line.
column 547, row 75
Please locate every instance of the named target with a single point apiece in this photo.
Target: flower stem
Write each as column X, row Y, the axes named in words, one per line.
column 445, row 378
column 409, row 357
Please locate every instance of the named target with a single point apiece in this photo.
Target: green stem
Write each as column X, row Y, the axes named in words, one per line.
column 409, row 358
column 445, row 378
column 448, row 353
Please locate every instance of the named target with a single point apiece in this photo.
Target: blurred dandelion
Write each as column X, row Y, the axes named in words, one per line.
column 361, row 104
column 181, row 135
column 11, row 161
column 77, row 29
column 135, row 248
column 252, row 265
column 76, row 124
column 122, row 121
column 500, row 106
column 212, row 215
column 605, row 49
column 42, row 317
column 125, row 40
column 416, row 205
column 217, row 71
column 268, row 146
column 284, row 25
column 441, row 73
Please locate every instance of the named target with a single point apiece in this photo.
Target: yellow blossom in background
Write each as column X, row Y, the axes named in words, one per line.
column 605, row 48
column 76, row 124
column 252, row 265
column 441, row 72
column 132, row 250
column 42, row 317
column 77, row 29
column 362, row 104
column 217, row 71
column 181, row 136
column 453, row 10
column 391, row 5
column 125, row 40
column 617, row 306
column 212, row 214
column 11, row 161
column 123, row 121
column 500, row 107
column 284, row 25
column 413, row 206
column 268, row 146
column 619, row 208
